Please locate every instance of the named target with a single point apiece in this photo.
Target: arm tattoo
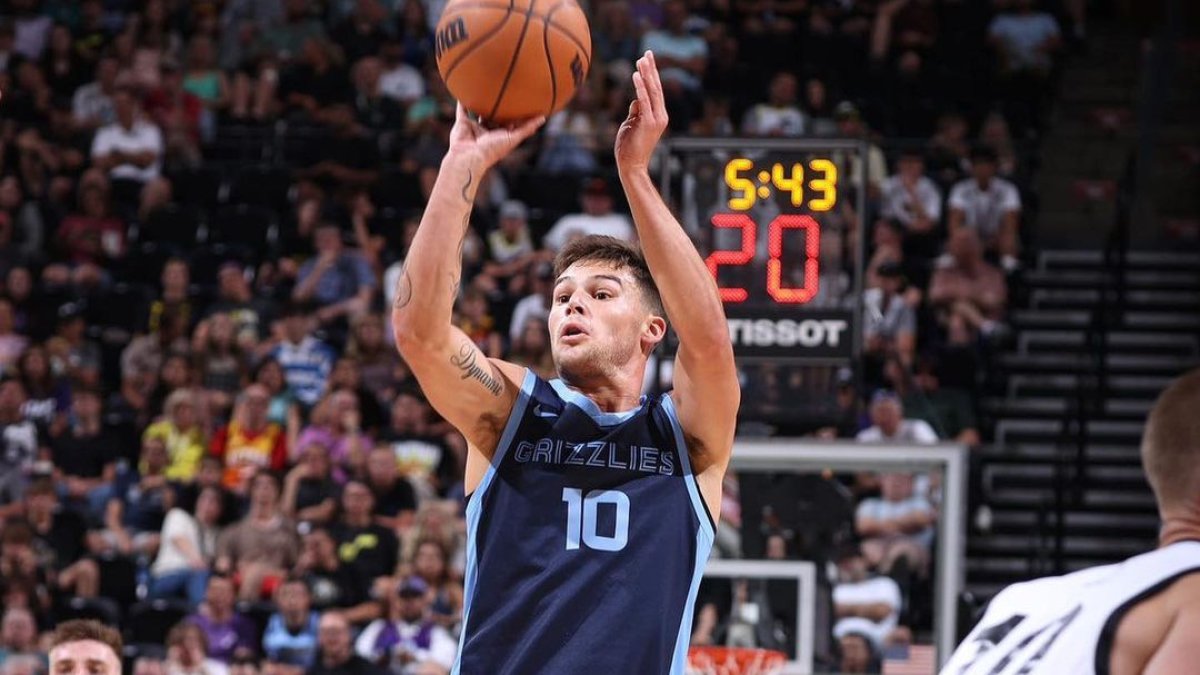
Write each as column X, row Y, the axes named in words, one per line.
column 403, row 291
column 467, row 186
column 465, row 361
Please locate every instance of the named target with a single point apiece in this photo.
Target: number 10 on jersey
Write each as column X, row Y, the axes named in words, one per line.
column 582, row 515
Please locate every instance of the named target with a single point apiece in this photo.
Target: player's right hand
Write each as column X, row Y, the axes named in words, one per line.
column 482, row 147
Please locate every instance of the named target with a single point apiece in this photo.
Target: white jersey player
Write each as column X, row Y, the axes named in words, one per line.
column 1139, row 616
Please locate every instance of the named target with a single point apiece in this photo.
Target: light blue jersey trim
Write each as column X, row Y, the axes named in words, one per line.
column 475, row 505
column 706, row 520
column 704, row 541
column 589, row 406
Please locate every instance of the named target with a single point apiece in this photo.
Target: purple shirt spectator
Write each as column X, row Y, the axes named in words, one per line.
column 226, row 637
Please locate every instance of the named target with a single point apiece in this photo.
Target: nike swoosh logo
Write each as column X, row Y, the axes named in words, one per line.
column 539, row 411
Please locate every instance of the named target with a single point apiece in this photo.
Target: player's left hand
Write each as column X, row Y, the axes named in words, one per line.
column 647, row 120
column 484, row 147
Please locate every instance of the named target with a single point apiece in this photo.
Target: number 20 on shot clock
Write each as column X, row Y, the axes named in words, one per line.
column 770, row 219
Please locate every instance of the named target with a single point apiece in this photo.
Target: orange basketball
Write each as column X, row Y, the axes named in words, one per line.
column 509, row 61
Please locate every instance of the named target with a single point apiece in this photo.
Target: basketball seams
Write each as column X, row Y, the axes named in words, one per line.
column 512, row 64
column 482, row 40
column 458, row 7
column 549, row 57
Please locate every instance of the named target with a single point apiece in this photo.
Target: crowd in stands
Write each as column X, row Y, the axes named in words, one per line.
column 207, row 435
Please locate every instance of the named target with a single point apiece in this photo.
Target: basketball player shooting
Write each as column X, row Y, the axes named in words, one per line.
column 590, row 515
column 1139, row 616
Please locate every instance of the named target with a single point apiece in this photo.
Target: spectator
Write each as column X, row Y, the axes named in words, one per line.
column 888, row 424
column 857, row 655
column 431, row 563
column 336, row 652
column 71, row 351
column 969, row 294
column 251, row 314
column 896, row 528
column 818, row 108
column 510, row 245
column 339, row 281
column 949, row 410
column 26, row 579
column 864, row 603
column 473, row 316
column 261, row 547
column 291, row 634
column 332, row 584
column 532, row 348
column 336, row 425
column 187, row 549
column 12, row 343
column 407, row 641
column 910, row 198
column 395, row 499
column 309, row 491
column 889, row 321
column 92, row 236
column 18, row 635
column 179, row 431
column 59, row 537
column 175, row 294
column 147, row 354
column 24, row 664
column 597, row 217
column 363, row 32
column 374, row 108
column 93, row 104
column 221, row 363
column 130, row 149
column 851, row 125
column 682, row 59
column 365, row 546
column 84, row 456
column 779, row 115
column 194, row 647
column 1025, row 41
column 283, row 408
column 249, row 444
column 536, row 303
column 424, row 456
column 142, row 497
column 989, row 205
column 205, row 81
column 347, row 377
column 379, row 364
column 48, row 396
column 179, row 115
column 19, row 444
column 149, row 663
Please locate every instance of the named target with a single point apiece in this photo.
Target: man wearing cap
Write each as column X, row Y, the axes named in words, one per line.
column 407, row 639
column 597, row 218
column 850, row 125
column 889, row 425
column 910, row 197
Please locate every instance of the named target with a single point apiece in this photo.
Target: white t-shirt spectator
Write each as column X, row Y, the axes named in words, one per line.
column 180, row 524
column 529, row 307
column 878, row 590
column 441, row 649
column 1021, row 35
column 682, row 47
column 141, row 137
column 403, row 83
column 581, row 224
column 984, row 210
column 877, row 508
column 765, row 119
column 900, row 205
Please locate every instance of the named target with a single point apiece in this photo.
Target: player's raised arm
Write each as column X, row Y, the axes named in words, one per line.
column 706, row 387
column 472, row 392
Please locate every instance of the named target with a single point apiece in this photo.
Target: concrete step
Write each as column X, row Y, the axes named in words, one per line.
column 1137, row 279
column 1094, row 260
column 1054, row 408
column 1115, row 364
column 999, row 477
column 1125, row 341
column 1050, row 453
column 1124, row 501
column 1127, row 386
column 1047, row 431
column 1088, row 298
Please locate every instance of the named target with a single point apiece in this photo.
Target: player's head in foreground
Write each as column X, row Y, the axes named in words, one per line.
column 1171, row 457
column 607, row 316
column 85, row 646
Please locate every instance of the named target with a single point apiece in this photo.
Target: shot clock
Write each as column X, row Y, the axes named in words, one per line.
column 772, row 219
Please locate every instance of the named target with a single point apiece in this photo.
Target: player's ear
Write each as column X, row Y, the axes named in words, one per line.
column 654, row 329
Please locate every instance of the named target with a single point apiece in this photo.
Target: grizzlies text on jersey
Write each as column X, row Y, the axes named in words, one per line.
column 587, row 539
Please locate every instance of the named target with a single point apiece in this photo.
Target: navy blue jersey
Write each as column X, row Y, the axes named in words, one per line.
column 587, row 539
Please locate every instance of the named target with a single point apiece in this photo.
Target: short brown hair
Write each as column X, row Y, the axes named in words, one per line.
column 77, row 630
column 620, row 254
column 1171, row 442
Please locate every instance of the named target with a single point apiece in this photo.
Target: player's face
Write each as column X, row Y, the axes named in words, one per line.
column 599, row 321
column 84, row 656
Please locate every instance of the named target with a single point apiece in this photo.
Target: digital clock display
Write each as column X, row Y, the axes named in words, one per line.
column 812, row 184
column 772, row 220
